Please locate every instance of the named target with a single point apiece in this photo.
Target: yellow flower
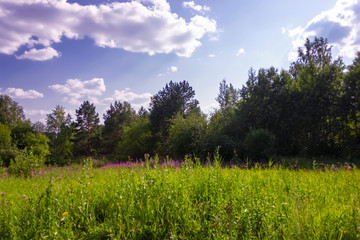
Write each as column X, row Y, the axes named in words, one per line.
column 64, row 213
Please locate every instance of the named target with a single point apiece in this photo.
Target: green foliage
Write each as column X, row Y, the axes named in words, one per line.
column 11, row 113
column 7, row 151
column 188, row 135
column 136, row 139
column 225, row 130
column 259, row 144
column 172, row 99
column 26, row 163
column 87, row 130
column 37, row 144
column 228, row 96
column 60, row 132
column 5, row 136
column 116, row 119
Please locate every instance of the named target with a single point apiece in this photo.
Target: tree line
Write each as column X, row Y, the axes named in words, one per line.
column 311, row 109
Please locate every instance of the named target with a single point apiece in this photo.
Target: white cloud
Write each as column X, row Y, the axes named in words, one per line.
column 32, row 112
column 240, row 51
column 192, row 5
column 146, row 26
column 75, row 89
column 211, row 108
column 136, row 100
column 39, row 54
column 211, row 55
column 18, row 93
column 340, row 25
column 173, row 69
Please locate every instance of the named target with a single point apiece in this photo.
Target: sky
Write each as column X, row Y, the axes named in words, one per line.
column 63, row 52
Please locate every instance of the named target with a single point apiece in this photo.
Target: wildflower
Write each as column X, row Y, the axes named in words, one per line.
column 354, row 199
column 32, row 173
column 359, row 228
column 64, row 213
column 2, row 194
column 23, row 196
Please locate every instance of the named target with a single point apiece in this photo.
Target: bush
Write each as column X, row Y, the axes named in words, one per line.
column 187, row 135
column 8, row 155
column 26, row 164
column 259, row 144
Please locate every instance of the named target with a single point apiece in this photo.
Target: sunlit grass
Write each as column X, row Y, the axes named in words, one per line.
column 183, row 201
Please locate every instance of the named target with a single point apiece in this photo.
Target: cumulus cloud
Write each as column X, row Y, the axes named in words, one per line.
column 192, row 5
column 211, row 108
column 39, row 54
column 18, row 93
column 146, row 26
column 211, row 55
column 240, row 51
column 136, row 100
column 340, row 25
column 75, row 89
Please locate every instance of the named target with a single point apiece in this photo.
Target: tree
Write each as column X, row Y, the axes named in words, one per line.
column 317, row 87
column 136, row 139
column 117, row 117
column 228, row 96
column 7, row 151
column 11, row 113
column 172, row 99
column 60, row 132
column 56, row 120
column 87, row 129
column 37, row 144
column 5, row 136
column 188, row 135
column 351, row 106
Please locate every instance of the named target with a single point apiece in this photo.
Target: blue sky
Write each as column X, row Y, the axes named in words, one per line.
column 58, row 52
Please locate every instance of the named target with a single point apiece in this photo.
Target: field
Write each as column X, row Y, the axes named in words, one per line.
column 187, row 200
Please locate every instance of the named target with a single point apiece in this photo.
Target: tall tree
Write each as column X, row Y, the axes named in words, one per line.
column 228, row 95
column 116, row 118
column 351, row 106
column 87, row 129
column 172, row 99
column 60, row 133
column 317, row 87
column 11, row 113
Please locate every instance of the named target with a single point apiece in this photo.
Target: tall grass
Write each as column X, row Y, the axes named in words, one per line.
column 187, row 201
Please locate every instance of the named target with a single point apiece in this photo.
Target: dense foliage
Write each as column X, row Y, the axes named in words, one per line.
column 311, row 109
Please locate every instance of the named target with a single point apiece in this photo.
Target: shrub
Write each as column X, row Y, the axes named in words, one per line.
column 26, row 164
column 259, row 144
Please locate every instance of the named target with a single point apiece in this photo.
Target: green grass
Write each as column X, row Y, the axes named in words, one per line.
column 188, row 202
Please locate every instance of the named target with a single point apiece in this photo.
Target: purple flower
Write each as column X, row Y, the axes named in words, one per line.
column 2, row 194
column 32, row 173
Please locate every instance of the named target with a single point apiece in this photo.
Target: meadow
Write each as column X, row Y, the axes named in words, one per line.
column 182, row 200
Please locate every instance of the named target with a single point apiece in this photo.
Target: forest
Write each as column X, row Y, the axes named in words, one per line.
column 311, row 109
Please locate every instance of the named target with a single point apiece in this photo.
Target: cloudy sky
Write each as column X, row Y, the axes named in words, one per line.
column 62, row 52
